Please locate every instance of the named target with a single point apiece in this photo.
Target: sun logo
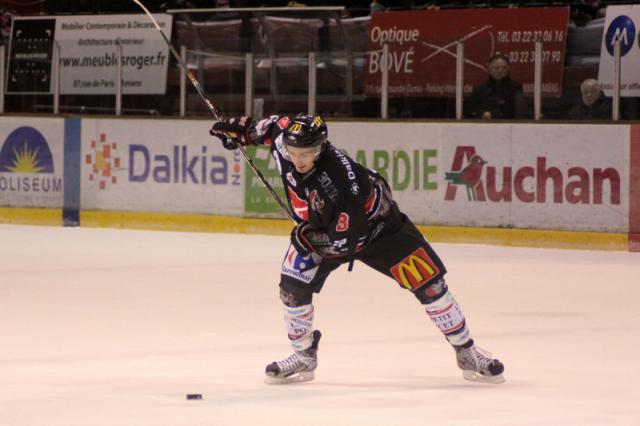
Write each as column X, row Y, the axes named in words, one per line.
column 25, row 160
column 103, row 162
column 26, row 151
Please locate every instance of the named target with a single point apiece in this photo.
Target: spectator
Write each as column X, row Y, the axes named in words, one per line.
column 499, row 97
column 594, row 105
column 376, row 6
column 5, row 25
column 593, row 9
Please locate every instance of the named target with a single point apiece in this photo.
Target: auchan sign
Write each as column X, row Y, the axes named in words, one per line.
column 536, row 183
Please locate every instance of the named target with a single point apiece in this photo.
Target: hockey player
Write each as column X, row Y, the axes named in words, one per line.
column 345, row 212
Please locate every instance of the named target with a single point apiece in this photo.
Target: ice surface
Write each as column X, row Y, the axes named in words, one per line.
column 114, row 327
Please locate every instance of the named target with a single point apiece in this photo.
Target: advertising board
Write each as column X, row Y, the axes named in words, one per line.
column 31, row 162
column 505, row 175
column 622, row 23
column 88, row 54
column 422, row 48
column 158, row 165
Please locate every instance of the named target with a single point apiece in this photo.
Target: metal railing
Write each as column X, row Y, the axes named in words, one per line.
column 2, row 78
column 312, row 63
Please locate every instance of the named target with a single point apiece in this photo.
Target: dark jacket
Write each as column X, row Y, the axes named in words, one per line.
column 600, row 110
column 503, row 99
column 347, row 202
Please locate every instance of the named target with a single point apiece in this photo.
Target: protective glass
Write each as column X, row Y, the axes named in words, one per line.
column 302, row 154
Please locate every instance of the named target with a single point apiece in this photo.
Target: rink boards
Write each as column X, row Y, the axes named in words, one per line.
column 506, row 183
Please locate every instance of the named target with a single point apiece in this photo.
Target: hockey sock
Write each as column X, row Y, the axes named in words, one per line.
column 445, row 313
column 299, row 322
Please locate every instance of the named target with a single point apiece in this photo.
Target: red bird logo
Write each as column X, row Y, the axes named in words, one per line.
column 469, row 176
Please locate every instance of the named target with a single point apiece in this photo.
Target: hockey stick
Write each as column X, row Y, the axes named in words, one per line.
column 216, row 114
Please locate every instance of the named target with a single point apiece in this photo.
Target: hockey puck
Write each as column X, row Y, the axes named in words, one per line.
column 194, row 396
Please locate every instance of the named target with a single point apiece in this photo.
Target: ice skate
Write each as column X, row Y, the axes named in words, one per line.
column 298, row 368
column 477, row 365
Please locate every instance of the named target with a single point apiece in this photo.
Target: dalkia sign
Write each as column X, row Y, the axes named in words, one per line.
column 481, row 181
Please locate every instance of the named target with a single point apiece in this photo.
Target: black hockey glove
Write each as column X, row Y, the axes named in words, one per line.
column 300, row 241
column 307, row 240
column 234, row 131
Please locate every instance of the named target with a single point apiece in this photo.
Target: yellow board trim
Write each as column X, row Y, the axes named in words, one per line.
column 538, row 238
column 183, row 222
column 30, row 216
column 229, row 224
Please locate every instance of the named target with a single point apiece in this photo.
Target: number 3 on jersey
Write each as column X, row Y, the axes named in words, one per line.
column 343, row 222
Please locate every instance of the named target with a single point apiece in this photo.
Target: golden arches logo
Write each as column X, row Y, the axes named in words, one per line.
column 295, row 128
column 415, row 270
column 317, row 121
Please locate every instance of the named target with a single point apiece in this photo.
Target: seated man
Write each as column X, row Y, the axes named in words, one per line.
column 594, row 105
column 499, row 97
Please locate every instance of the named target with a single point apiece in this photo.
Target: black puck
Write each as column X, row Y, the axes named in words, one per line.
column 194, row 396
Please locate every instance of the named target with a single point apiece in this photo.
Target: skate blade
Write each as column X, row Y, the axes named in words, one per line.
column 474, row 376
column 305, row 376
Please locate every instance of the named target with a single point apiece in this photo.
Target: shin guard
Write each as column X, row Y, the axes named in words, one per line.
column 299, row 322
column 447, row 316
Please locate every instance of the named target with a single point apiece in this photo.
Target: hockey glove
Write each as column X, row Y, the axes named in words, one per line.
column 234, row 131
column 300, row 241
column 307, row 240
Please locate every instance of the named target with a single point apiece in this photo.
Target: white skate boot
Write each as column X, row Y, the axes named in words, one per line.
column 477, row 365
column 298, row 368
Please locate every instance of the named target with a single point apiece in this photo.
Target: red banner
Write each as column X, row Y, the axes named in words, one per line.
column 422, row 48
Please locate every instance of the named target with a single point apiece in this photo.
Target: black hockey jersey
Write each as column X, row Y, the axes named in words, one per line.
column 347, row 204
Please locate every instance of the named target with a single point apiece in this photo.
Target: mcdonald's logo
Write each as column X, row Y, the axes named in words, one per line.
column 295, row 128
column 415, row 270
column 317, row 121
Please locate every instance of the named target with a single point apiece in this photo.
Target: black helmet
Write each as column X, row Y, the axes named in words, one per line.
column 305, row 131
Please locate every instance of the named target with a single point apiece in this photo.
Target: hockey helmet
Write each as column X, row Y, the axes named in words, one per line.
column 306, row 131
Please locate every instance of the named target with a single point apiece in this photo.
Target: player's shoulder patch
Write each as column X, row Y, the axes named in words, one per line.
column 283, row 123
column 279, row 144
